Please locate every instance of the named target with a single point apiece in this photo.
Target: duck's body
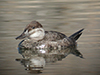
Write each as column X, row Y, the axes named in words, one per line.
column 38, row 38
column 52, row 39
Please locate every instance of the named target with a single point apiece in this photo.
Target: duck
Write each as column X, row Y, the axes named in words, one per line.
column 34, row 36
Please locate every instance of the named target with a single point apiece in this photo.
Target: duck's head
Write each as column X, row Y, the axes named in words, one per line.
column 33, row 30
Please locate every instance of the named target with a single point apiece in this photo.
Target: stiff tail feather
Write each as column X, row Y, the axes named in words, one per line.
column 76, row 35
column 77, row 53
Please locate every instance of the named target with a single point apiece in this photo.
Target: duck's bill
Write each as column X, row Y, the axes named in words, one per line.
column 22, row 36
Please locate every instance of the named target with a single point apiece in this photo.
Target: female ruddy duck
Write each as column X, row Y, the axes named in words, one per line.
column 38, row 38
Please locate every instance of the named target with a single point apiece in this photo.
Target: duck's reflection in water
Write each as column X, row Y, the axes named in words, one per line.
column 36, row 59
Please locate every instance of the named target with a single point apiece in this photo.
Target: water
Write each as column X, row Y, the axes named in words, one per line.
column 59, row 15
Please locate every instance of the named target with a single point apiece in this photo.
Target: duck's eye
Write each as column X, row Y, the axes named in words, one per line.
column 33, row 27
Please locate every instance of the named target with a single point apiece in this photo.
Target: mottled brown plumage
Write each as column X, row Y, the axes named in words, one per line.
column 38, row 38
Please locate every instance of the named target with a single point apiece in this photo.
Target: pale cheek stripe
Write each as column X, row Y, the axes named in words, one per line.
column 35, row 30
column 30, row 32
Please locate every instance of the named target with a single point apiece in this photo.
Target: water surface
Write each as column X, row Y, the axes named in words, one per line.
column 59, row 15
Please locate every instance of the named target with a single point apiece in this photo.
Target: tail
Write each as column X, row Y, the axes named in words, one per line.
column 77, row 53
column 76, row 35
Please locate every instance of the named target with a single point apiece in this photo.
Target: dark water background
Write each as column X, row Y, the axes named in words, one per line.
column 65, row 16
